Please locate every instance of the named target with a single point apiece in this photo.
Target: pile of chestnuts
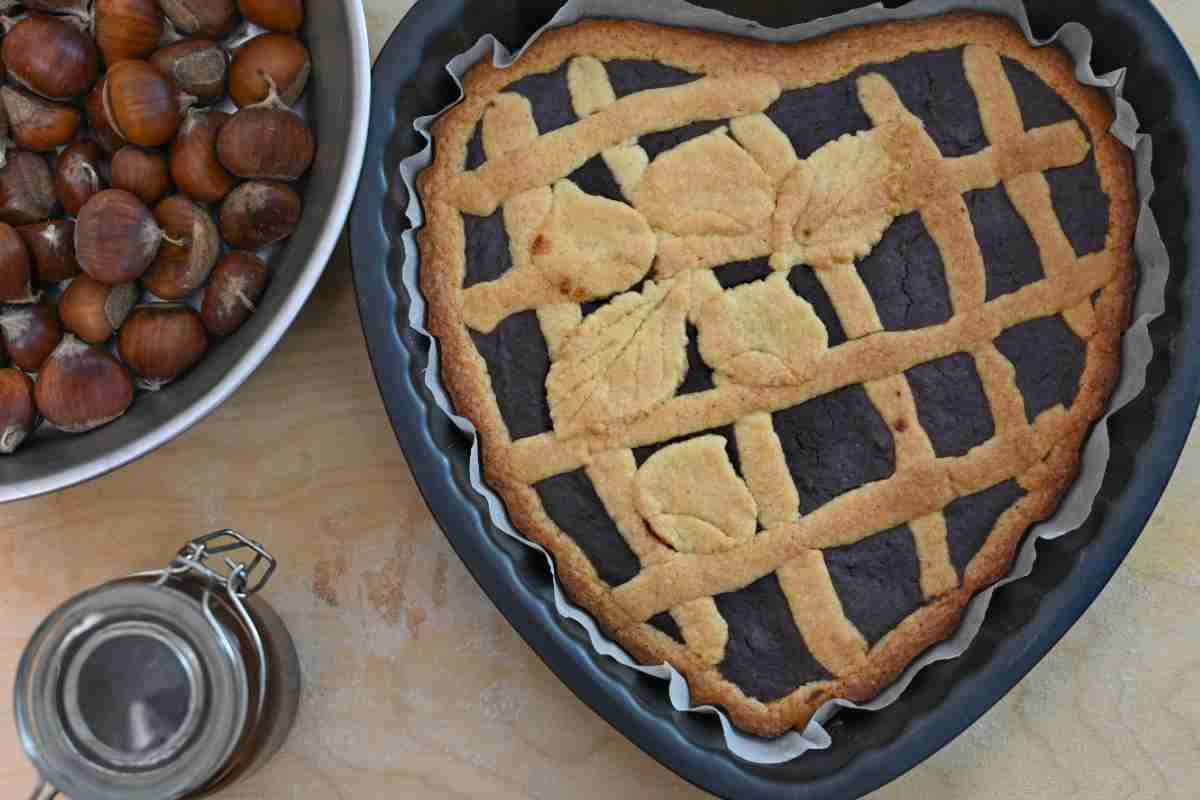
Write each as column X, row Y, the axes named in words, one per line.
column 148, row 149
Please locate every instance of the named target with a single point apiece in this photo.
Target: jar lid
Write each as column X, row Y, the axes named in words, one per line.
column 132, row 691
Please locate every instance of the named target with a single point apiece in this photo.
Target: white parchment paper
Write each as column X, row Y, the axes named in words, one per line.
column 1137, row 349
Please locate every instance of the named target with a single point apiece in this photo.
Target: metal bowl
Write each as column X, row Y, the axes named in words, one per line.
column 338, row 101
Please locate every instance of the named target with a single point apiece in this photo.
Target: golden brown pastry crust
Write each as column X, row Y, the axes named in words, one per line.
column 683, row 582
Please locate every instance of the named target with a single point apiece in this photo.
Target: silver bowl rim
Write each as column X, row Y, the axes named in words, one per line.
column 314, row 267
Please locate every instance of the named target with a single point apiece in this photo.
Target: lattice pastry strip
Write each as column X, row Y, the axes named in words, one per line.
column 592, row 92
column 1030, row 193
column 767, row 473
column 556, row 155
column 509, row 125
column 613, row 474
column 949, row 225
column 806, row 583
column 937, row 572
column 832, row 638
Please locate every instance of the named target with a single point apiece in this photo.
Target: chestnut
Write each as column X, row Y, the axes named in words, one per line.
column 212, row 18
column 102, row 129
column 77, row 8
column 127, row 28
column 259, row 213
column 161, row 342
column 82, row 387
column 197, row 66
column 50, row 56
column 52, row 245
column 180, row 269
column 16, row 272
column 266, row 141
column 285, row 16
column 233, row 292
column 142, row 172
column 77, row 174
column 26, row 189
column 18, row 410
column 142, row 104
column 194, row 163
column 5, row 130
column 31, row 332
column 37, row 123
column 116, row 237
column 266, row 60
column 94, row 311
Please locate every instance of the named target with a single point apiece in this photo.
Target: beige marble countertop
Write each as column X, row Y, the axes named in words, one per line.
column 418, row 687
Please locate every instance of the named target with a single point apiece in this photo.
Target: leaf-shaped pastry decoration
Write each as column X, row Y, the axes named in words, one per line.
column 591, row 247
column 693, row 500
column 706, row 186
column 761, row 334
column 623, row 361
column 836, row 205
column 582, row 248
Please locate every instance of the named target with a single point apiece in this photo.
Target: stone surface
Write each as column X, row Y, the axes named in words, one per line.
column 417, row 687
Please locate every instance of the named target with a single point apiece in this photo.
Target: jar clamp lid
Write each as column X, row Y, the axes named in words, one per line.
column 138, row 690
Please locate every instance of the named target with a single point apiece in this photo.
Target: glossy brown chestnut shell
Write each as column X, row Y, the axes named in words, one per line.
column 212, row 18
column 161, row 342
column 79, row 8
column 194, row 163
column 16, row 269
column 143, row 105
column 77, row 174
column 266, row 143
column 141, row 172
column 18, row 410
column 285, row 16
column 50, row 56
column 102, row 130
column 116, row 237
column 31, row 332
column 36, row 123
column 233, row 292
column 180, row 269
column 199, row 67
column 82, row 387
column 26, row 189
column 127, row 29
column 94, row 311
column 272, row 59
column 260, row 213
column 52, row 245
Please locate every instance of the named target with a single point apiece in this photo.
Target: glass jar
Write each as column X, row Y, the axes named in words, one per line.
column 164, row 685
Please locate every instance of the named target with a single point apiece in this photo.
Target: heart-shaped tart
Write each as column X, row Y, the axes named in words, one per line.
column 779, row 349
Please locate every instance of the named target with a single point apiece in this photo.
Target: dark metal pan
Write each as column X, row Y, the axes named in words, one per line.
column 1026, row 618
